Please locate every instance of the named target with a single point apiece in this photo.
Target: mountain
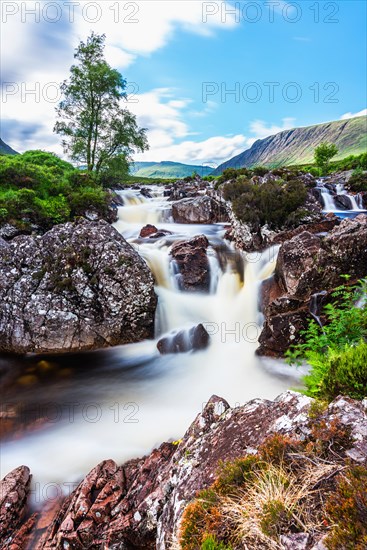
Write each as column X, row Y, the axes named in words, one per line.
column 167, row 169
column 297, row 146
column 5, row 149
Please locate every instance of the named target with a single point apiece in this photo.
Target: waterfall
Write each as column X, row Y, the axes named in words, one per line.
column 144, row 398
column 329, row 198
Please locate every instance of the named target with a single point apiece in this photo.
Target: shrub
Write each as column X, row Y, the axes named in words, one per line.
column 234, row 189
column 358, row 181
column 347, row 511
column 346, row 374
column 52, row 210
column 260, row 170
column 270, row 203
column 88, row 197
column 337, row 351
column 211, row 543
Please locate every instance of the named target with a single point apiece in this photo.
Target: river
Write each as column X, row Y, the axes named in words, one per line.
column 120, row 403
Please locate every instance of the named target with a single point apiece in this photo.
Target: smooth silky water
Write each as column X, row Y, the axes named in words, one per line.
column 120, row 403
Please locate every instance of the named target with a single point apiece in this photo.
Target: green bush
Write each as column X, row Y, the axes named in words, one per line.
column 270, row 203
column 346, row 374
column 211, row 543
column 337, row 352
column 86, row 198
column 52, row 210
column 41, row 188
column 358, row 181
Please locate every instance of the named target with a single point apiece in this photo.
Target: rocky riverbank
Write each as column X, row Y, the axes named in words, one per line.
column 140, row 504
column 80, row 286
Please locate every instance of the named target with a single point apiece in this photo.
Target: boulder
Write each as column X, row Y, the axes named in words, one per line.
column 192, row 264
column 343, row 202
column 140, row 504
column 309, row 264
column 202, row 209
column 151, row 232
column 14, row 489
column 147, row 231
column 194, row 339
column 80, row 286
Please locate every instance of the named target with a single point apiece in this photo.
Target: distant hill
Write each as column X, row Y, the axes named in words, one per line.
column 297, row 146
column 167, row 169
column 5, row 149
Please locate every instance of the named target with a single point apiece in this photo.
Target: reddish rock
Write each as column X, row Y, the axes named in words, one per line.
column 192, row 263
column 308, row 264
column 147, row 231
column 139, row 505
column 14, row 489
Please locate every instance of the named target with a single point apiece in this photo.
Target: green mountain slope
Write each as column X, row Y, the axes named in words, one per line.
column 5, row 149
column 297, row 146
column 167, row 169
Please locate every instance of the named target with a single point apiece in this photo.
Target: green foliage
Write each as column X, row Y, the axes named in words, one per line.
column 272, row 203
column 347, row 512
column 94, row 127
column 39, row 187
column 337, row 352
column 324, row 153
column 358, row 181
column 260, row 170
column 211, row 543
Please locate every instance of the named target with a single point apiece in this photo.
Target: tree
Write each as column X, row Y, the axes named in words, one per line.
column 324, row 153
column 92, row 122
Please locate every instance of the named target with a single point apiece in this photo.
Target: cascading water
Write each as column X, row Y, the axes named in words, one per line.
column 331, row 203
column 131, row 398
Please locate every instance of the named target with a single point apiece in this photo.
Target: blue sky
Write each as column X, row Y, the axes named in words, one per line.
column 184, row 58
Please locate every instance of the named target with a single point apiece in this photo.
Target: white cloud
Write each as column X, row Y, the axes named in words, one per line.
column 211, row 151
column 354, row 115
column 261, row 130
column 41, row 52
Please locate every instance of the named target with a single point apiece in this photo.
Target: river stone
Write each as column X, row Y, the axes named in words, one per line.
column 80, row 286
column 194, row 339
column 202, row 209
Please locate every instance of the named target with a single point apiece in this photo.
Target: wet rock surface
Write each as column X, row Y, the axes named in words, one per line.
column 202, row 209
column 308, row 264
column 193, row 339
column 192, row 263
column 139, row 505
column 80, row 286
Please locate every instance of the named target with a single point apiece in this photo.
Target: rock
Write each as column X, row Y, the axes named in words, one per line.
column 151, row 232
column 202, row 209
column 295, row 541
column 145, row 192
column 14, row 489
column 192, row 263
column 147, row 231
column 140, row 504
column 8, row 231
column 343, row 202
column 194, row 339
column 80, row 286
column 308, row 264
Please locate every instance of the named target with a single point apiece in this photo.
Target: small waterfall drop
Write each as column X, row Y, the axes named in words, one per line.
column 330, row 198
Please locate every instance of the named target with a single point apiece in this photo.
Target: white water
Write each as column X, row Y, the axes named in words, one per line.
column 329, row 198
column 159, row 396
